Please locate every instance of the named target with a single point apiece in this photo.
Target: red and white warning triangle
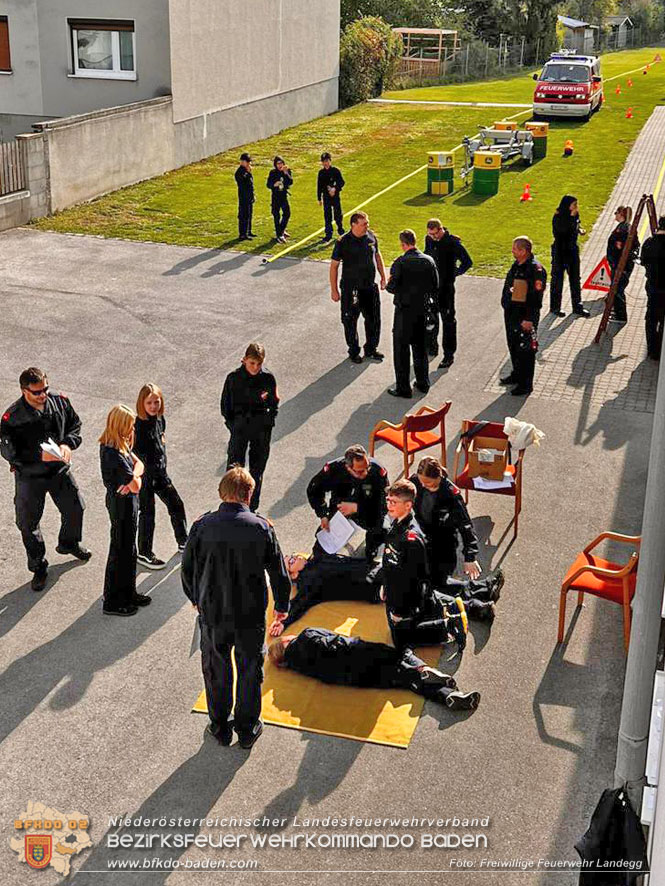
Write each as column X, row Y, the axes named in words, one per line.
column 600, row 278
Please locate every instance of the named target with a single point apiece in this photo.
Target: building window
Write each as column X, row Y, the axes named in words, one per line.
column 103, row 49
column 5, row 60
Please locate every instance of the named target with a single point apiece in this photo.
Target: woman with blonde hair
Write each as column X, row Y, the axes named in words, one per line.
column 121, row 473
column 615, row 244
column 150, row 447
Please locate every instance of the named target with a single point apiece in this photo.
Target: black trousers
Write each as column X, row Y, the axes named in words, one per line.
column 248, row 646
column 619, row 309
column 522, row 354
column 159, row 485
column 281, row 213
column 332, row 206
column 562, row 262
column 654, row 321
column 245, row 211
column 29, row 500
column 253, row 433
column 417, row 631
column 409, row 337
column 357, row 300
column 120, row 575
column 476, row 595
column 448, row 321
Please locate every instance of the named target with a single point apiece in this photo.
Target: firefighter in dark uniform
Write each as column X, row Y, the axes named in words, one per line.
column 521, row 300
column 280, row 179
column 224, row 567
column 615, row 245
column 357, row 486
column 249, row 405
column 329, row 184
column 416, row 616
column 566, row 228
column 351, row 661
column 322, row 577
column 358, row 253
column 34, row 418
column 413, row 279
column 245, row 181
column 652, row 258
column 452, row 260
column 443, row 517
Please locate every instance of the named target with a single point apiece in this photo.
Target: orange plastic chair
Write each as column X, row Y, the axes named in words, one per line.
column 462, row 479
column 416, row 432
column 604, row 579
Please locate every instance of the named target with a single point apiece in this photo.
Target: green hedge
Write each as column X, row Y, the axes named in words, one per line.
column 368, row 59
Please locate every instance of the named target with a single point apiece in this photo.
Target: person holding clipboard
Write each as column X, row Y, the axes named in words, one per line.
column 521, row 300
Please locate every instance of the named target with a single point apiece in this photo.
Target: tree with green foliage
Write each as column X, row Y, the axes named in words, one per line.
column 369, row 54
column 400, row 13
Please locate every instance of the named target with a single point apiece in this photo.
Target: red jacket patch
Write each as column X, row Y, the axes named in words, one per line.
column 412, row 536
column 326, row 467
column 455, row 489
column 5, row 417
column 384, row 472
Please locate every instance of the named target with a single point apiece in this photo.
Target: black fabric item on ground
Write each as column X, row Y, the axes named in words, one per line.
column 614, row 835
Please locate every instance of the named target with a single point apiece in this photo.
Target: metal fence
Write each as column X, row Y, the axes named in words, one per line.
column 477, row 60
column 13, row 173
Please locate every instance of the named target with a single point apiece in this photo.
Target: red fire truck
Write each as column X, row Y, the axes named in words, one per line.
column 568, row 86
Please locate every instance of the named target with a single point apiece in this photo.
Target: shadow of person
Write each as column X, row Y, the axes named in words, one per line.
column 617, row 433
column 191, row 262
column 588, row 364
column 90, row 644
column 237, row 260
column 189, row 793
column 17, row 603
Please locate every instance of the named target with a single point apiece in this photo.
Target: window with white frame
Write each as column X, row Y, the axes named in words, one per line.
column 103, row 48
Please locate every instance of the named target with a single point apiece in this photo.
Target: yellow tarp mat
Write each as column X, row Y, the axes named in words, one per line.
column 382, row 716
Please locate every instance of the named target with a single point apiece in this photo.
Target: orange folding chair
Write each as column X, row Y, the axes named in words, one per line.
column 416, row 432
column 609, row 581
column 465, row 482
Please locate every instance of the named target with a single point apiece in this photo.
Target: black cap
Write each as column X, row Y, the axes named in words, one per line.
column 246, row 156
column 325, row 156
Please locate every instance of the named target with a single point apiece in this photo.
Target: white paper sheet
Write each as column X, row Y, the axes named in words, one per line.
column 340, row 531
column 483, row 483
column 52, row 448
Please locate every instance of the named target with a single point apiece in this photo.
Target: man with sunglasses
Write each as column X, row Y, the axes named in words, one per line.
column 356, row 486
column 35, row 418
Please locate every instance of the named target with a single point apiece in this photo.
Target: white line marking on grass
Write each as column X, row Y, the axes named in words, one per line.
column 404, row 101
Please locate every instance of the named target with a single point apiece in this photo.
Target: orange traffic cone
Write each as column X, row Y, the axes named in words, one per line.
column 629, row 82
column 657, row 58
column 568, row 148
column 617, row 91
column 629, row 114
column 526, row 194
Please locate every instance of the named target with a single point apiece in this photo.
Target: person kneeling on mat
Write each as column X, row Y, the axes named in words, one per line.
column 322, row 577
column 351, row 661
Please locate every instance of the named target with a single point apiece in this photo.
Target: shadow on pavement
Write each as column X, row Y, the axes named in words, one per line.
column 190, row 792
column 17, row 603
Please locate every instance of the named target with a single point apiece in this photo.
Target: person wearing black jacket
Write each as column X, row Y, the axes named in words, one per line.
column 150, row 447
column 452, row 260
column 615, row 245
column 358, row 253
column 652, row 258
column 224, row 567
column 329, row 184
column 521, row 300
column 357, row 486
column 33, row 419
column 245, row 182
column 249, row 406
column 413, row 278
column 351, row 661
column 122, row 473
column 279, row 181
column 443, row 517
column 566, row 256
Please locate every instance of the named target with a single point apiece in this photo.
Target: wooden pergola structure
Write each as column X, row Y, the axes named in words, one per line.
column 426, row 49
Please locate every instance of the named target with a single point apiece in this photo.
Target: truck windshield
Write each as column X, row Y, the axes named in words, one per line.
column 558, row 73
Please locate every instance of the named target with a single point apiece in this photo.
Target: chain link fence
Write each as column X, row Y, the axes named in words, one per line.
column 477, row 60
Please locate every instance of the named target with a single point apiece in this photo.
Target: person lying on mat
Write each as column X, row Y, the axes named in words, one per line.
column 324, row 577
column 350, row 661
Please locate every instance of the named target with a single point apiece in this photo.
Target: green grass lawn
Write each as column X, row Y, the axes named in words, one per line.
column 375, row 145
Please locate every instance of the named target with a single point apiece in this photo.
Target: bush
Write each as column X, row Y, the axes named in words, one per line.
column 368, row 59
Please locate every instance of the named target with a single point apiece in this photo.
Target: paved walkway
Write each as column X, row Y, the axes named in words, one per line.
column 615, row 373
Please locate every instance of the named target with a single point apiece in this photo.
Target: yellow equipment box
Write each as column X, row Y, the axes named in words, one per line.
column 506, row 125
column 538, row 130
column 487, row 160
